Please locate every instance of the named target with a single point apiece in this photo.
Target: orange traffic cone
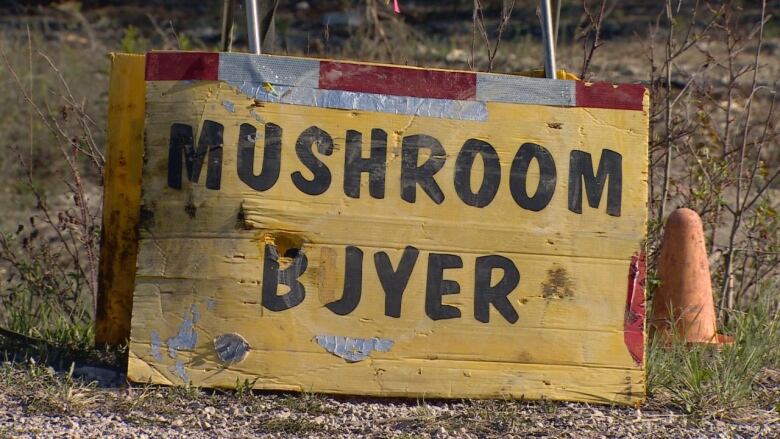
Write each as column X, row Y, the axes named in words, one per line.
column 683, row 305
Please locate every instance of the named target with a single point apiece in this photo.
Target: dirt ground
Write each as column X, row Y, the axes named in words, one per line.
column 36, row 402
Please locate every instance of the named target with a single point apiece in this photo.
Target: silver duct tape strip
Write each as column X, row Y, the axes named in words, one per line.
column 523, row 90
column 347, row 100
column 353, row 349
column 247, row 68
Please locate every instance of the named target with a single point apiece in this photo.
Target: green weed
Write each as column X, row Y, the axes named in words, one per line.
column 702, row 380
column 133, row 41
column 244, row 388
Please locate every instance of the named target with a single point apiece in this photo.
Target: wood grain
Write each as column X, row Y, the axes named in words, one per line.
column 121, row 199
column 202, row 253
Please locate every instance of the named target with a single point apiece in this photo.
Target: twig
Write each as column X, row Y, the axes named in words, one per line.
column 727, row 291
column 589, row 45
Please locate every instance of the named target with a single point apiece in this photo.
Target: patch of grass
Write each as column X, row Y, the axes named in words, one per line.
column 706, row 381
column 483, row 417
column 306, row 403
column 492, row 417
column 290, row 425
column 41, row 390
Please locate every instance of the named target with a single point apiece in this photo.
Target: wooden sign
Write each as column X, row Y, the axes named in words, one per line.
column 354, row 228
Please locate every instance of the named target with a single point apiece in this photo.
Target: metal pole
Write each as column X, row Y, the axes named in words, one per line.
column 253, row 26
column 556, row 8
column 227, row 26
column 548, row 39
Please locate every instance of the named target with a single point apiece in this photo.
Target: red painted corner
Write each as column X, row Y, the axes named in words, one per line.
column 182, row 66
column 634, row 322
column 397, row 81
column 607, row 95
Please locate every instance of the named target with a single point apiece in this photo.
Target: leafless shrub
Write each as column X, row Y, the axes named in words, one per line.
column 714, row 145
column 590, row 33
column 478, row 26
column 51, row 260
column 376, row 34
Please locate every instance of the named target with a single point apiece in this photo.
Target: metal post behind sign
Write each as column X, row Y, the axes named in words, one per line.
column 253, row 27
column 226, row 43
column 556, row 14
column 548, row 38
column 550, row 17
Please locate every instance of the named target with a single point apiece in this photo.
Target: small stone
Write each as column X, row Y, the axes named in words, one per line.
column 457, row 55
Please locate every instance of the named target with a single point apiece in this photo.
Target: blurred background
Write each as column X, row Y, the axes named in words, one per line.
column 712, row 68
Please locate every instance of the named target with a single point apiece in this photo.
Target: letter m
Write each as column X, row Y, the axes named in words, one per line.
column 581, row 170
column 182, row 151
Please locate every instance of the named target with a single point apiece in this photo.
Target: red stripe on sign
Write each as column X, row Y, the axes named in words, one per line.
column 181, row 66
column 634, row 320
column 606, row 95
column 397, row 81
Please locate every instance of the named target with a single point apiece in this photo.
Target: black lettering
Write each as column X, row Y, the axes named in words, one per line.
column 353, row 283
column 411, row 174
column 394, row 281
column 486, row 293
column 181, row 147
column 303, row 148
column 518, row 177
column 437, row 286
column 354, row 164
column 581, row 168
column 272, row 156
column 491, row 179
column 273, row 277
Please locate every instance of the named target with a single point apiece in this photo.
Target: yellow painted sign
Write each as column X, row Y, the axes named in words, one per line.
column 361, row 229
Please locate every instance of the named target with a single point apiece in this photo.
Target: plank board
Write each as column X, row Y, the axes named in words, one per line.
column 493, row 251
column 121, row 199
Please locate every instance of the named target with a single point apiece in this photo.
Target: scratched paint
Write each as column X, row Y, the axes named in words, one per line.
column 229, row 106
column 181, row 371
column 255, row 115
column 634, row 325
column 187, row 337
column 231, row 348
column 154, row 347
column 353, row 349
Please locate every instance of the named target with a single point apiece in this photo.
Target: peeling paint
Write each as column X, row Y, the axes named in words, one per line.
column 211, row 303
column 154, row 347
column 231, row 348
column 187, row 337
column 229, row 106
column 179, row 370
column 255, row 114
column 353, row 349
column 195, row 314
column 634, row 320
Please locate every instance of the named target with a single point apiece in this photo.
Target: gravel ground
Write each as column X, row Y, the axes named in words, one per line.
column 36, row 402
